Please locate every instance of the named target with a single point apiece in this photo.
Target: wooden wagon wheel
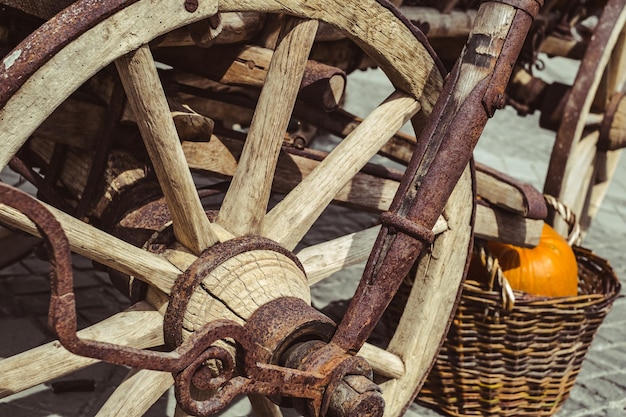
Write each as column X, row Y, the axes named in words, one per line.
column 590, row 135
column 29, row 96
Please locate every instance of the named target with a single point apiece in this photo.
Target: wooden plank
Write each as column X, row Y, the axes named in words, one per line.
column 504, row 226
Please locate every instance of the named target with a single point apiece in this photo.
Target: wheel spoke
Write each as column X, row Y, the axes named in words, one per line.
column 140, row 327
column 145, row 93
column 289, row 221
column 246, row 201
column 263, row 407
column 383, row 362
column 136, row 394
column 102, row 247
column 594, row 119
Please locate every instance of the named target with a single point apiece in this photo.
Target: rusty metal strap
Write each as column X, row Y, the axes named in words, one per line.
column 398, row 223
column 210, row 259
column 531, row 7
column 50, row 38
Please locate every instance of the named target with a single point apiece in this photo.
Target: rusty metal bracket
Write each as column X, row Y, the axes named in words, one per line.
column 396, row 223
column 443, row 151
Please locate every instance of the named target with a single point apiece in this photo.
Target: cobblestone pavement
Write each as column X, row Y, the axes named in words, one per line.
column 510, row 144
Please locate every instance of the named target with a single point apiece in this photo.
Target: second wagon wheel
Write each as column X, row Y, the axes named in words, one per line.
column 591, row 133
column 69, row 49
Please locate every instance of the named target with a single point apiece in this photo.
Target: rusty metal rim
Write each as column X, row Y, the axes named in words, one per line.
column 50, row 38
column 210, row 259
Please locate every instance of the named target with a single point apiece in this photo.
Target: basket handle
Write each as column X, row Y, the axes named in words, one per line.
column 574, row 237
column 496, row 276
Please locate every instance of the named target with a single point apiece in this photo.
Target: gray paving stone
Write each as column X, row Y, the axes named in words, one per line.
column 19, row 334
column 12, row 409
column 28, row 284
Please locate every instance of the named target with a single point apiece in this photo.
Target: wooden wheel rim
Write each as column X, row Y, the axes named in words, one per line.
column 565, row 178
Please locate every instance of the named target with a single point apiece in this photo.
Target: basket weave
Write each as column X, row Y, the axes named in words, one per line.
column 521, row 362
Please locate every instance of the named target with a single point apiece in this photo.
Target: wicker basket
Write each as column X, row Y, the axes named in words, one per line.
column 524, row 361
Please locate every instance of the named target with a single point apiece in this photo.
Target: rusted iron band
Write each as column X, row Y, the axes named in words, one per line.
column 210, row 259
column 397, row 223
column 532, row 7
column 50, row 38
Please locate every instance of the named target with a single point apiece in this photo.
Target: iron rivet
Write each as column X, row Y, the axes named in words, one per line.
column 191, row 5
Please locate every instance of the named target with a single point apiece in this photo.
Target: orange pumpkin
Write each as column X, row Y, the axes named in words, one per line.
column 549, row 269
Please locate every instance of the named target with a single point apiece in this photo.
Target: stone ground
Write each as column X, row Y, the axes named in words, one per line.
column 511, row 144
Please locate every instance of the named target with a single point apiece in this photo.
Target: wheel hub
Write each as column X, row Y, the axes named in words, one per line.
column 281, row 345
column 232, row 280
